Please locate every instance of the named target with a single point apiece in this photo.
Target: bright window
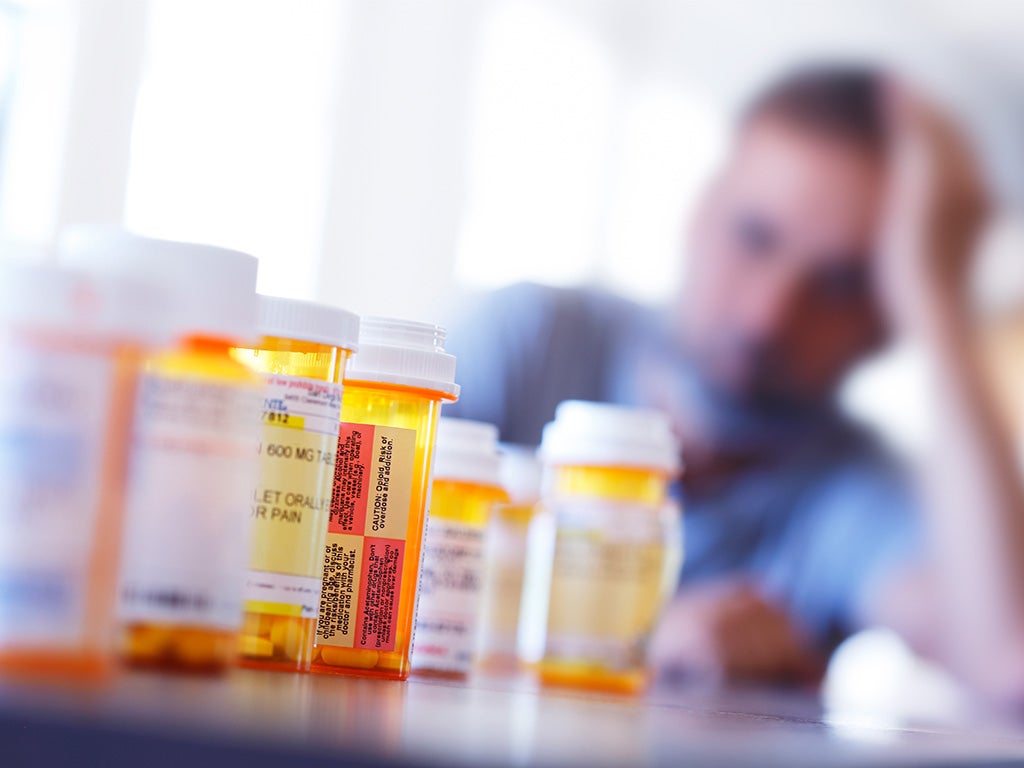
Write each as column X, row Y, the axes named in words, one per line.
column 231, row 131
column 539, row 159
column 578, row 172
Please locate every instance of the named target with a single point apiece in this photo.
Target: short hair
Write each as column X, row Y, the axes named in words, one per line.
column 839, row 100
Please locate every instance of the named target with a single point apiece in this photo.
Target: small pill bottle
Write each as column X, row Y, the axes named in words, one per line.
column 394, row 387
column 302, row 358
column 193, row 461
column 613, row 545
column 505, row 559
column 70, row 345
column 466, row 489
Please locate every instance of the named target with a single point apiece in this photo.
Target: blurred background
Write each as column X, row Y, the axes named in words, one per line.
column 395, row 156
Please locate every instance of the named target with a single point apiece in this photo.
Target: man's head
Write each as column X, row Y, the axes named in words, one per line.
column 779, row 301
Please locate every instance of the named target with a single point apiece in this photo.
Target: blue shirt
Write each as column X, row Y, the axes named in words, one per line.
column 818, row 525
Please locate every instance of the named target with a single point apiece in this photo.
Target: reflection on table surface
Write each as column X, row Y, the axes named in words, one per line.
column 275, row 719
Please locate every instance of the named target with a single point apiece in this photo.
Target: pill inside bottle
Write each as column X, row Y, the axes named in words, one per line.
column 193, row 462
column 505, row 561
column 394, row 387
column 302, row 357
column 612, row 552
column 71, row 344
column 467, row 489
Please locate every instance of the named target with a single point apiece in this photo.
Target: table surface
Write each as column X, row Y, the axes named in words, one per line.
column 280, row 719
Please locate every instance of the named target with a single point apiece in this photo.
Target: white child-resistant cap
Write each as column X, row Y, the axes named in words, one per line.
column 405, row 353
column 48, row 297
column 467, row 451
column 599, row 434
column 212, row 289
column 308, row 321
column 520, row 473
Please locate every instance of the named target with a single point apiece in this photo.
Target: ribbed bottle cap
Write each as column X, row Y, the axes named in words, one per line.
column 405, row 353
column 598, row 434
column 520, row 473
column 213, row 289
column 57, row 299
column 467, row 451
column 308, row 321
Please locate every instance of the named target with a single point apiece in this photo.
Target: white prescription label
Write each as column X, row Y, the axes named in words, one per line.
column 449, row 596
column 191, row 476
column 282, row 594
column 54, row 412
column 292, row 497
column 310, row 405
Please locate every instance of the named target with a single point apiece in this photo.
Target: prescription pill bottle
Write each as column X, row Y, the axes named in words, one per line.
column 302, row 358
column 466, row 489
column 614, row 545
column 505, row 559
column 193, row 461
column 394, row 387
column 70, row 345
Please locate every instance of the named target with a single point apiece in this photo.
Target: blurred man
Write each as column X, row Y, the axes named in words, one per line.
column 845, row 209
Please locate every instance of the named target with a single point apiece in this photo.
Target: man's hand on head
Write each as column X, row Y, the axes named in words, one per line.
column 730, row 631
column 972, row 498
column 936, row 210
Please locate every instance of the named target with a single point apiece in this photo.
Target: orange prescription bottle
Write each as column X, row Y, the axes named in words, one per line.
column 505, row 559
column 302, row 358
column 70, row 346
column 394, row 388
column 466, row 489
column 193, row 459
column 613, row 545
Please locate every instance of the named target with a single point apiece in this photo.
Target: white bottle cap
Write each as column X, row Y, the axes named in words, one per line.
column 520, row 473
column 308, row 321
column 598, row 434
column 70, row 302
column 213, row 289
column 467, row 451
column 405, row 353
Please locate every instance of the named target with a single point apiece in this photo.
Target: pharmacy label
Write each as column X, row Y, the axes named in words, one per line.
column 606, row 594
column 292, row 496
column 364, row 556
column 450, row 589
column 281, row 594
column 54, row 418
column 191, row 474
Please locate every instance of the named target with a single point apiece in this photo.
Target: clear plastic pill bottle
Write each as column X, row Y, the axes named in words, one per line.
column 71, row 344
column 610, row 540
column 466, row 490
column 394, row 387
column 505, row 559
column 302, row 357
column 193, row 457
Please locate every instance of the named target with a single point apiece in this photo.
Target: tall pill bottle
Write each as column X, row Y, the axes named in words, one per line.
column 70, row 345
column 615, row 542
column 505, row 559
column 302, row 357
column 193, row 461
column 466, row 490
column 394, row 387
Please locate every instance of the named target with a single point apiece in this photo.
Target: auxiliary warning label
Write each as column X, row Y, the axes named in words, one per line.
column 366, row 532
